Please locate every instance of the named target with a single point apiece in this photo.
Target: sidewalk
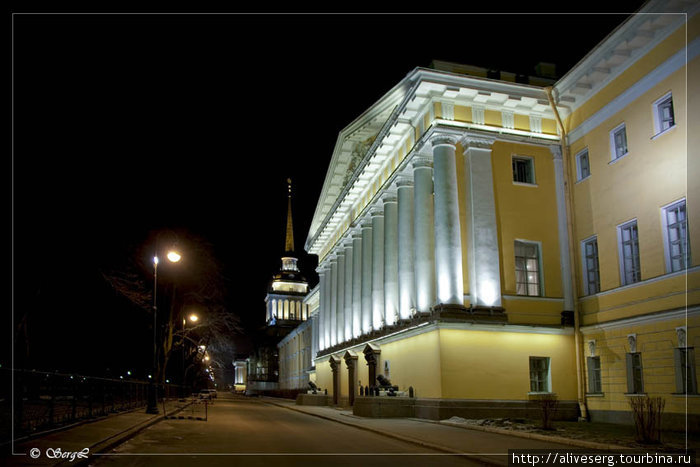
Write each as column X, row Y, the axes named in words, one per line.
column 488, row 444
column 97, row 435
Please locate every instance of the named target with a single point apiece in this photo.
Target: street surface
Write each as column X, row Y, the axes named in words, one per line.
column 250, row 432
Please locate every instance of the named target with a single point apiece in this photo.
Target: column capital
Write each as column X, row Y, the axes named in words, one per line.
column 376, row 212
column 421, row 161
column 347, row 240
column 366, row 223
column 441, row 139
column 389, row 197
column 404, row 180
column 340, row 252
column 555, row 149
column 478, row 142
column 356, row 233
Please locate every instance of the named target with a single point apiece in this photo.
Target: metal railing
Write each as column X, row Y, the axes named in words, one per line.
column 43, row 401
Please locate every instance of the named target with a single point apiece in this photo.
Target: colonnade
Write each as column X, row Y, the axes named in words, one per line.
column 404, row 255
column 286, row 308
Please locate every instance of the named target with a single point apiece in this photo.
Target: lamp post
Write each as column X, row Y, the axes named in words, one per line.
column 152, row 406
column 193, row 318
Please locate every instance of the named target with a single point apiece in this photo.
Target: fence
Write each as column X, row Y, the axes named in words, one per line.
column 44, row 400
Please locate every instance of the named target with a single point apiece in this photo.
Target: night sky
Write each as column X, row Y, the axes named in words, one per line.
column 128, row 124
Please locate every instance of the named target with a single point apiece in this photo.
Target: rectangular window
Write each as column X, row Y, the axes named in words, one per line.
column 630, row 271
column 527, row 269
column 523, row 170
column 594, row 382
column 676, row 233
column 663, row 114
column 618, row 142
column 591, row 271
column 634, row 373
column 539, row 374
column 686, row 382
column 583, row 168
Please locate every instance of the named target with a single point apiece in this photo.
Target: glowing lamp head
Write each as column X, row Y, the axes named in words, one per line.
column 174, row 256
column 194, row 318
column 155, row 260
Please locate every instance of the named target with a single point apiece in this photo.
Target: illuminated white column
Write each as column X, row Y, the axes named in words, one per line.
column 377, row 268
column 357, row 283
column 424, row 233
column 347, row 308
column 315, row 345
column 333, row 295
column 366, row 276
column 391, row 259
column 407, row 290
column 482, row 253
column 340, row 297
column 322, row 301
column 448, row 240
column 562, row 230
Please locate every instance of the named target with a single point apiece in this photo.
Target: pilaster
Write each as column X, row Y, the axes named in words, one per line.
column 483, row 253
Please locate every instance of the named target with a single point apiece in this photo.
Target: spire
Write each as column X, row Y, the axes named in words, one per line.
column 289, row 240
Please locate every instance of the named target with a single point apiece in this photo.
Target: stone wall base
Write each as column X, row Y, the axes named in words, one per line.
column 314, row 399
column 384, row 407
column 442, row 409
column 254, row 388
column 669, row 421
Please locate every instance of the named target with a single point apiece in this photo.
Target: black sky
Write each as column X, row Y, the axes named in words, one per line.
column 124, row 124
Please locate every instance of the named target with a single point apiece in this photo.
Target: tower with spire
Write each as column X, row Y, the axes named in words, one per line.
column 287, row 289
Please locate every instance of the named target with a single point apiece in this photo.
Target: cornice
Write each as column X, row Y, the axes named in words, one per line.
column 623, row 47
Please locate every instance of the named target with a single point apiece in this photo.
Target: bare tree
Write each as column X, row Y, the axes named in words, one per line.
column 196, row 283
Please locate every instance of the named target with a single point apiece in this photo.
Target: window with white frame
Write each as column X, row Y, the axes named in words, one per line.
column 618, row 142
column 675, row 224
column 595, row 385
column 528, row 277
column 635, row 383
column 539, row 374
column 523, row 170
column 583, row 168
column 628, row 244
column 663, row 114
column 684, row 360
column 591, row 271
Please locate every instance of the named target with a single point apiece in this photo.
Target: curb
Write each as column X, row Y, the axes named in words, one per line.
column 406, row 439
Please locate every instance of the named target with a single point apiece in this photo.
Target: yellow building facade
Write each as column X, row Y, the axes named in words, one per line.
column 639, row 304
column 482, row 242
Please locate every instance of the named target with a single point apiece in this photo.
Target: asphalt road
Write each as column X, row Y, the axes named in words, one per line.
column 248, row 432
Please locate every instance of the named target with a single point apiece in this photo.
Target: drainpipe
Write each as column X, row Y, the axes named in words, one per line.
column 572, row 259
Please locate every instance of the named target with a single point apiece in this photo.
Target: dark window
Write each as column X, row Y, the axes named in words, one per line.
column 523, row 171
column 590, row 252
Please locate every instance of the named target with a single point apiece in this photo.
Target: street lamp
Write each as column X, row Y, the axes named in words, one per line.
column 152, row 406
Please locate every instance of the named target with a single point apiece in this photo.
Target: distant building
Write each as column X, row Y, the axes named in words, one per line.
column 485, row 241
column 285, row 310
column 295, row 354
